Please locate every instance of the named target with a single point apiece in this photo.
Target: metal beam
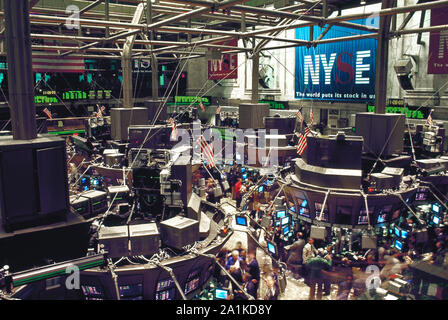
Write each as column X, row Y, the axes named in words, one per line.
column 90, row 6
column 126, row 59
column 382, row 58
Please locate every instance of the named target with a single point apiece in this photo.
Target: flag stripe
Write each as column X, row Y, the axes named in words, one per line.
column 207, row 151
column 46, row 62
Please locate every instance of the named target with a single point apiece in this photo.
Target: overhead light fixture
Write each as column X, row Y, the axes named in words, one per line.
column 363, row 2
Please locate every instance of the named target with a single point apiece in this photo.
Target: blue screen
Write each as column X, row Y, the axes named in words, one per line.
column 221, row 294
column 397, row 231
column 241, row 221
column 271, row 248
column 281, row 214
column 398, row 245
column 243, row 169
column 285, row 220
column 260, row 189
column 381, row 218
column 404, row 234
column 435, row 208
column 304, row 203
column 277, row 223
column 245, row 176
column 286, row 230
column 436, row 220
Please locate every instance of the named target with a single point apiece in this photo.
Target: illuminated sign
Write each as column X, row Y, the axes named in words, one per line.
column 277, row 105
column 410, row 112
column 187, row 100
column 336, row 71
column 84, row 95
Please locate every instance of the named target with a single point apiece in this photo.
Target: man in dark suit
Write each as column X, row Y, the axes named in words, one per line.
column 272, row 290
column 295, row 251
column 253, row 269
column 248, row 286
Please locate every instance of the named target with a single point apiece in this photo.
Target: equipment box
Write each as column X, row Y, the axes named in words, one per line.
column 144, row 239
column 179, row 231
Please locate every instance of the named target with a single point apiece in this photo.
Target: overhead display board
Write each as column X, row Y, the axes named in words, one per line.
column 438, row 43
column 338, row 71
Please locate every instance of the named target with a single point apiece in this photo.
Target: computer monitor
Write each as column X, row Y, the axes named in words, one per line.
column 277, row 223
column 260, row 189
column 404, row 234
column 281, row 214
column 241, row 221
column 436, row 220
column 272, row 247
column 304, row 203
column 243, row 169
column 398, row 245
column 397, row 232
column 435, row 208
column 286, row 230
column 245, row 176
column 421, row 196
column 285, row 220
column 381, row 218
column 221, row 294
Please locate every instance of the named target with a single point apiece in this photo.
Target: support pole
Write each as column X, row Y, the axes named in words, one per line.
column 255, row 75
column 382, row 56
column 20, row 73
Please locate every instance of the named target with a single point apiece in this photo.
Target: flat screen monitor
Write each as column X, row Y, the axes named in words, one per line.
column 277, row 223
column 397, row 232
column 285, row 220
column 165, row 294
column 381, row 217
column 272, row 248
column 435, row 208
column 436, row 220
column 260, row 189
column 92, row 291
column 421, row 196
column 286, row 230
column 245, row 176
column 398, row 245
column 131, row 291
column 404, row 234
column 281, row 214
column 241, row 221
column 243, row 169
column 304, row 203
column 221, row 294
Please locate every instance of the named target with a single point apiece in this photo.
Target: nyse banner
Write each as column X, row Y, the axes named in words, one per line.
column 339, row 71
column 438, row 43
column 226, row 67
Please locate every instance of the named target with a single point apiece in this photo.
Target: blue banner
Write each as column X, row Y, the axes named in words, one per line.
column 340, row 71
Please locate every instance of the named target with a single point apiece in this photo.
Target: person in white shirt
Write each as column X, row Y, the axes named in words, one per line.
column 309, row 251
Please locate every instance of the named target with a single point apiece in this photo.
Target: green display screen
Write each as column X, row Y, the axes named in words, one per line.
column 187, row 100
column 422, row 113
column 276, row 104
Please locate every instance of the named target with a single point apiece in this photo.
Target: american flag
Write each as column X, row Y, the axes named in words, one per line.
column 44, row 61
column 100, row 112
column 311, row 116
column 207, row 151
column 201, row 105
column 302, row 141
column 429, row 121
column 300, row 116
column 48, row 113
column 173, row 136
